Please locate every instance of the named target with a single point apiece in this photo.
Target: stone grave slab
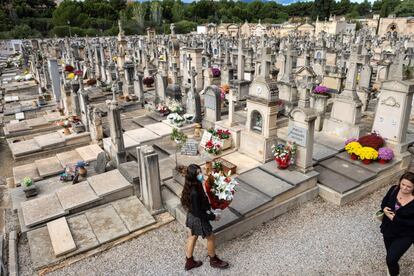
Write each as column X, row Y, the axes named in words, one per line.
column 329, row 141
column 375, row 167
column 336, row 182
column 52, row 117
column 166, row 166
column 42, row 209
column 321, row 152
column 160, row 129
column 142, row 135
column 69, row 157
column 60, row 237
column 106, row 224
column 144, row 120
column 37, row 122
column 227, row 218
column 29, row 170
column 77, row 195
column 129, row 124
column 186, row 126
column 156, row 116
column 20, row 126
column 265, row 182
column 41, row 250
column 291, row 177
column 49, row 166
column 24, row 147
column 166, row 145
column 109, row 182
column 89, row 153
column 129, row 142
column 49, row 140
column 354, row 172
column 247, row 199
column 133, row 213
column 82, row 233
column 243, row 162
column 130, row 170
column 19, row 116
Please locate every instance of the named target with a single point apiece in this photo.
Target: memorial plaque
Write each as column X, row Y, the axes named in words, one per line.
column 298, row 135
column 206, row 137
column 190, row 148
column 210, row 102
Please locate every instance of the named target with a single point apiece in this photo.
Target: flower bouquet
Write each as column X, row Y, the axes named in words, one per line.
column 69, row 68
column 372, row 140
column 162, row 109
column 213, row 147
column 321, row 90
column 224, row 135
column 78, row 72
column 215, row 72
column 174, row 106
column 284, row 155
column 176, row 119
column 220, row 190
column 385, row 155
column 188, row 118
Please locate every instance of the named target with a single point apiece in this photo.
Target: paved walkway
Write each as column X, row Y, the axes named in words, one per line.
column 315, row 239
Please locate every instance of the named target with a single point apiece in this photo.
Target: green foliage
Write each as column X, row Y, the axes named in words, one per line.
column 185, row 26
column 99, row 17
column 405, row 8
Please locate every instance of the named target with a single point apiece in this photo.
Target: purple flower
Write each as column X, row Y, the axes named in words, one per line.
column 385, row 153
column 215, row 72
column 320, row 89
column 350, row 140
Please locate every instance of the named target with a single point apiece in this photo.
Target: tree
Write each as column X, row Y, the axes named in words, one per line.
column 364, row 8
column 322, row 9
column 387, row 7
column 177, row 11
column 405, row 8
column 156, row 15
column 343, row 7
column 138, row 14
column 184, row 26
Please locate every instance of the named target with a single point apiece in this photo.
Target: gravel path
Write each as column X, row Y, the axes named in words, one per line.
column 316, row 239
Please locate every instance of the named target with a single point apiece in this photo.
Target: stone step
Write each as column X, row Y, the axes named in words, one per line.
column 61, row 237
column 171, row 201
column 335, row 181
column 174, row 186
column 349, row 170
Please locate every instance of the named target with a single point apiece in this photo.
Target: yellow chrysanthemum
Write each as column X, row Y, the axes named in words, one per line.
column 71, row 76
column 353, row 147
column 367, row 153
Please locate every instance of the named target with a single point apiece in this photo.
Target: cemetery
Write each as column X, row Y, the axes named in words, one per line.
column 100, row 131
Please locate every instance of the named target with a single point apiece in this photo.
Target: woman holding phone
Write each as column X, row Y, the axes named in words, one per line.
column 397, row 225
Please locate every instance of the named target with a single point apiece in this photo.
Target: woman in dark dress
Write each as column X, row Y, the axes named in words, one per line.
column 199, row 214
column 397, row 225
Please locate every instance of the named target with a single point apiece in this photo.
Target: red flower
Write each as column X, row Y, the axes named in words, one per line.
column 372, row 140
column 69, row 68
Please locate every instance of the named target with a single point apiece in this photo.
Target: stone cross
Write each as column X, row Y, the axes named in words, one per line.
column 240, row 61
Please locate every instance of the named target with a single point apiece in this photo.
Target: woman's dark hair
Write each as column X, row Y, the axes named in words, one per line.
column 190, row 182
column 408, row 176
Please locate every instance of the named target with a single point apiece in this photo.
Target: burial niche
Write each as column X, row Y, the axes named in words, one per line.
column 257, row 122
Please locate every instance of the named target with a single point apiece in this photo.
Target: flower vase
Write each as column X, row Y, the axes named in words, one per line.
column 226, row 143
column 353, row 156
column 82, row 171
column 66, row 131
column 283, row 163
column 366, row 161
column 383, row 161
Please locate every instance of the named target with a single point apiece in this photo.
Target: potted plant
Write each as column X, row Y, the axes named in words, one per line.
column 367, row 155
column 353, row 148
column 223, row 135
column 179, row 138
column 29, row 187
column 320, row 90
column 222, row 165
column 284, row 155
column 178, row 120
column 220, row 190
column 174, row 106
column 80, row 167
column 372, row 140
column 148, row 81
column 385, row 155
column 213, row 147
column 69, row 68
column 188, row 118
